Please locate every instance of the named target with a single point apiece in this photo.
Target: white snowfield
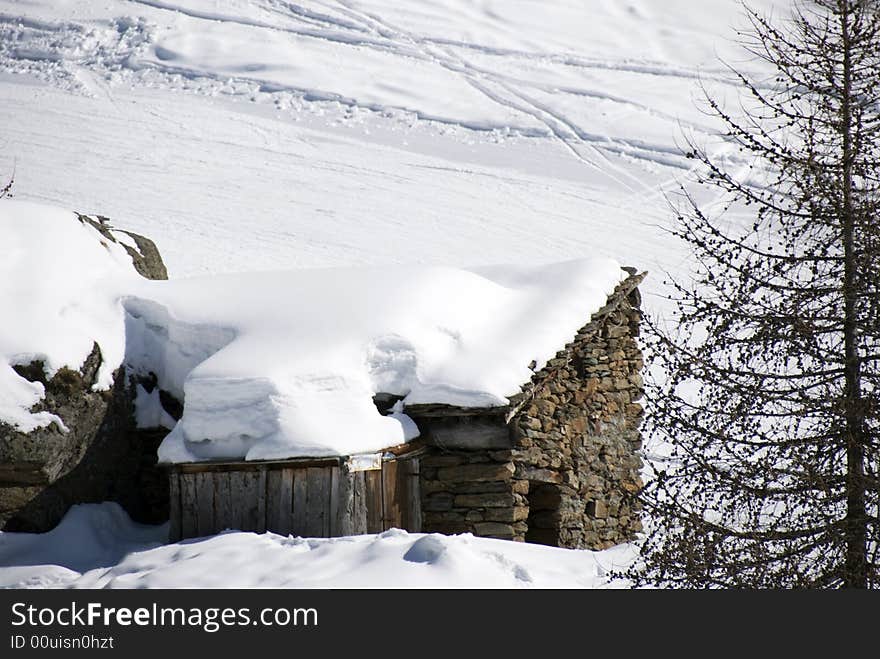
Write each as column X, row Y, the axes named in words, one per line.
column 263, row 134
column 98, row 546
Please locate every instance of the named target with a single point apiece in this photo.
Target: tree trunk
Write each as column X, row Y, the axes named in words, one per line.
column 856, row 565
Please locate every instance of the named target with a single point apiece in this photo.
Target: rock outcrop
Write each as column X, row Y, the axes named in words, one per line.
column 102, row 456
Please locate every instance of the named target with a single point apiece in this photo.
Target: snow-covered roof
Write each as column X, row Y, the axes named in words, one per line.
column 273, row 365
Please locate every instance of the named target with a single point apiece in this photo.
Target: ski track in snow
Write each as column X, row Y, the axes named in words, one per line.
column 352, row 132
column 61, row 50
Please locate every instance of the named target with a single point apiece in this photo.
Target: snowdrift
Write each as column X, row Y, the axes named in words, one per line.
column 97, row 546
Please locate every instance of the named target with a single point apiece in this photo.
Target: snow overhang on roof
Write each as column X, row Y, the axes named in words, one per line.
column 275, row 365
column 306, row 351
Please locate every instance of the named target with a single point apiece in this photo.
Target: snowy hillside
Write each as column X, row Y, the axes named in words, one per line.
column 258, row 134
column 254, row 135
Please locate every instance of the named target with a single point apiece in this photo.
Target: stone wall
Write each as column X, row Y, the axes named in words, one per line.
column 562, row 467
column 473, row 491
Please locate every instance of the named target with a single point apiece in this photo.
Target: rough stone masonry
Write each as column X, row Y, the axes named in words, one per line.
column 560, row 465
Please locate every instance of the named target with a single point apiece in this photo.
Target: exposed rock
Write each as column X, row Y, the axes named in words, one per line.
column 102, row 457
column 146, row 258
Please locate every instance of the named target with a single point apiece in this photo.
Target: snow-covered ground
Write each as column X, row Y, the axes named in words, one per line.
column 98, row 546
column 253, row 135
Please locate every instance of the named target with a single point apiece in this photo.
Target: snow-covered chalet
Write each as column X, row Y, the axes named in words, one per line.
column 554, row 459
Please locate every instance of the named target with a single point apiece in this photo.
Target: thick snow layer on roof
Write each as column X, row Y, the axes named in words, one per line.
column 280, row 364
column 59, row 284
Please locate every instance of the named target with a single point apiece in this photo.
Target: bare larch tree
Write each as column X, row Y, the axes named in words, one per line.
column 766, row 409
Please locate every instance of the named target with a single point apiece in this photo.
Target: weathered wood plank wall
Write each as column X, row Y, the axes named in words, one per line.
column 310, row 500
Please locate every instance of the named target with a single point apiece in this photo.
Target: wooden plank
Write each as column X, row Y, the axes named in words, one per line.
column 174, row 506
column 327, row 485
column 285, row 495
column 261, row 500
column 238, row 504
column 341, row 502
column 204, row 486
column 405, row 490
column 300, row 501
column 318, row 510
column 232, row 520
column 373, row 499
column 223, row 510
column 248, row 486
column 334, row 499
column 359, row 504
column 414, row 494
column 392, row 497
column 273, row 500
column 188, row 504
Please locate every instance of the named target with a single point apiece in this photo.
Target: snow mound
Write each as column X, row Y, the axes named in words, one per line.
column 97, row 546
column 90, row 536
column 281, row 364
column 59, row 284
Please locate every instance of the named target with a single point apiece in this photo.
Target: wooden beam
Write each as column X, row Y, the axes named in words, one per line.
column 255, row 465
column 426, row 410
column 416, row 445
